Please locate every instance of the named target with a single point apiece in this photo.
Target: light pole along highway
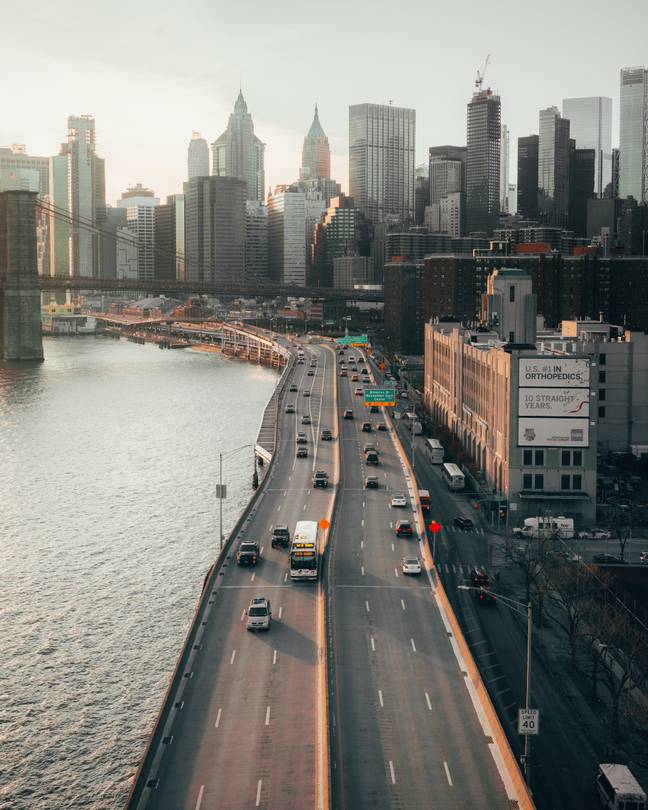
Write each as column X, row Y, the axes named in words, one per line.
column 221, row 489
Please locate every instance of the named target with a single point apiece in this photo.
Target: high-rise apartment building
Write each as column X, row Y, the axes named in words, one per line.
column 139, row 203
column 256, row 241
column 382, row 141
column 77, row 187
column 553, row 168
column 286, row 229
column 483, row 159
column 421, row 192
column 239, row 153
column 447, row 171
column 527, row 177
column 215, row 229
column 197, row 157
column 590, row 125
column 504, row 169
column 633, row 134
column 316, row 153
column 169, row 263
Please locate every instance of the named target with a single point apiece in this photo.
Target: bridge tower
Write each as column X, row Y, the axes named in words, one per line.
column 20, row 298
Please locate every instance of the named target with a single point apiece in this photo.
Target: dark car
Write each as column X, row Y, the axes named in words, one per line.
column 372, row 458
column 464, row 523
column 607, row 559
column 310, row 373
column 481, row 581
column 302, row 452
column 293, row 387
column 326, row 435
column 348, row 413
column 371, row 482
column 280, row 536
column 306, row 393
column 321, row 479
column 404, row 528
column 248, row 553
column 374, row 409
column 366, row 427
column 382, row 426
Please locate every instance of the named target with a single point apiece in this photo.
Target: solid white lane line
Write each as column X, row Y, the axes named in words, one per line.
column 242, row 614
column 447, row 770
column 258, row 796
column 413, row 645
column 367, row 606
column 267, row 720
column 362, row 569
column 218, row 717
column 280, row 610
column 373, row 644
column 200, row 795
column 391, row 772
column 428, row 701
column 233, row 656
column 274, row 657
column 380, row 698
column 252, row 577
column 403, row 604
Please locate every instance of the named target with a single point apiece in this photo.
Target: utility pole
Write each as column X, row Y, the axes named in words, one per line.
column 220, row 502
column 527, row 740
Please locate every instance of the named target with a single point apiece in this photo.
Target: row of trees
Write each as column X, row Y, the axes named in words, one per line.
column 591, row 617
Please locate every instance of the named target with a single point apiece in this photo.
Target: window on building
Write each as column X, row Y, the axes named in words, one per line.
column 565, row 481
column 577, row 458
column 601, row 376
column 577, row 482
column 602, row 359
column 527, row 481
column 539, row 481
column 511, row 337
column 512, row 293
column 539, row 458
column 602, row 395
column 528, row 458
column 565, row 458
column 601, row 411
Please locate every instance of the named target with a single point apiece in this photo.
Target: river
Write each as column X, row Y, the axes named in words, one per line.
column 108, row 524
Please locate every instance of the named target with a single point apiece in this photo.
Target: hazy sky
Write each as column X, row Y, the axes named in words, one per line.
column 152, row 71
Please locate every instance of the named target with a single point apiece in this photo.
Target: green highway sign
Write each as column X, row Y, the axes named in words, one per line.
column 353, row 340
column 380, row 396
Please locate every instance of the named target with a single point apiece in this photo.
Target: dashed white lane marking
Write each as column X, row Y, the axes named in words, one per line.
column 289, row 477
column 362, row 544
column 380, row 698
column 391, row 772
column 242, row 615
column 280, row 610
column 362, row 522
column 274, row 657
column 454, row 568
column 233, row 656
column 258, row 796
column 413, row 645
column 367, row 606
column 403, row 604
column 286, row 577
column 373, row 644
column 362, row 570
column 363, row 504
column 218, row 717
column 396, row 571
column 267, row 719
column 261, row 552
column 393, row 549
column 391, row 525
column 447, row 770
column 304, row 509
column 200, row 797
column 252, row 577
column 279, row 508
column 428, row 701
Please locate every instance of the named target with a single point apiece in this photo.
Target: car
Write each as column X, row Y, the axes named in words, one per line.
column 643, row 557
column 348, row 413
column 366, row 427
column 290, row 408
column 403, row 395
column 398, row 499
column 293, row 388
column 351, row 359
column 326, row 435
column 403, row 528
column 359, row 392
column 310, row 373
column 411, row 565
column 479, row 577
column 301, row 438
column 280, row 536
column 306, row 393
column 306, row 420
column 369, row 448
column 464, row 523
column 372, row 458
column 248, row 553
column 371, row 482
column 300, row 361
column 321, row 479
column 607, row 559
column 595, row 534
column 353, row 368
column 343, row 373
column 302, row 452
column 259, row 614
column 354, row 378
column 382, row 426
column 374, row 409
column 313, row 363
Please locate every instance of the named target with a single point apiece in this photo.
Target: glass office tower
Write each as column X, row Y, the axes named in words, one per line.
column 553, row 168
column 590, row 125
column 633, row 135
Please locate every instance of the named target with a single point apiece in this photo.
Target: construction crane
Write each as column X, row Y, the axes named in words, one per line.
column 480, row 75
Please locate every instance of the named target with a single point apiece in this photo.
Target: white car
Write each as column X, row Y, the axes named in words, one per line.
column 595, row 534
column 259, row 614
column 411, row 565
column 398, row 499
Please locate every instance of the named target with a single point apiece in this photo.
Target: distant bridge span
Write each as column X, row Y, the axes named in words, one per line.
column 264, row 290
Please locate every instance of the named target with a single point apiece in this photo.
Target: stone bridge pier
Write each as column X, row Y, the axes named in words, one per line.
column 20, row 298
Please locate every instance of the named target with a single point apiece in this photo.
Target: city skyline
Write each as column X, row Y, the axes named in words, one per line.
column 184, row 91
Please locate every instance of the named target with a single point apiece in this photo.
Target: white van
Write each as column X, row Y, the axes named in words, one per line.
column 546, row 526
column 618, row 789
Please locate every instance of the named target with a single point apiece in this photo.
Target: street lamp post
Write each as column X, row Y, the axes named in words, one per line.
column 221, row 491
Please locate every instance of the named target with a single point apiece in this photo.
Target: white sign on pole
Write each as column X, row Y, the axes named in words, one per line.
column 554, row 401
column 555, row 372
column 553, row 432
column 528, row 721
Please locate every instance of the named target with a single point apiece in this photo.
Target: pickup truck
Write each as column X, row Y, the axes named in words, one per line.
column 248, row 553
column 321, row 479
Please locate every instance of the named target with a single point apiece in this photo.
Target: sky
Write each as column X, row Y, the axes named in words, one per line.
column 154, row 71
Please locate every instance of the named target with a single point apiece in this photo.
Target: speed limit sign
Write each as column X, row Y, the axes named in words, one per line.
column 528, row 721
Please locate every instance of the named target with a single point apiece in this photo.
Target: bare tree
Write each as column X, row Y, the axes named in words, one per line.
column 571, row 586
column 621, row 522
column 531, row 555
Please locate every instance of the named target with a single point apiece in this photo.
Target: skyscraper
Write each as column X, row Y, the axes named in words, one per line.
column 633, row 134
column 140, row 203
column 381, row 161
column 447, row 171
column 77, row 186
column 590, row 125
column 483, row 161
column 343, row 232
column 239, row 153
column 286, row 229
column 215, row 229
column 256, row 241
column 169, row 238
column 553, row 168
column 527, row 177
column 197, row 157
column 316, row 154
column 581, row 188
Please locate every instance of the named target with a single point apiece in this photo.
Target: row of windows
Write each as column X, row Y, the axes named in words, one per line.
column 568, row 458
column 573, row 483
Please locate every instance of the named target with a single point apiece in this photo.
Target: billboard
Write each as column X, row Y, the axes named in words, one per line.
column 564, row 432
column 553, row 372
column 554, row 401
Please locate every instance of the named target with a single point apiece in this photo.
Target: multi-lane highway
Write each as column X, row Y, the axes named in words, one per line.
column 247, row 732
column 404, row 730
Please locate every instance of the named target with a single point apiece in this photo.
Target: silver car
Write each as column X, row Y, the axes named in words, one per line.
column 259, row 614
